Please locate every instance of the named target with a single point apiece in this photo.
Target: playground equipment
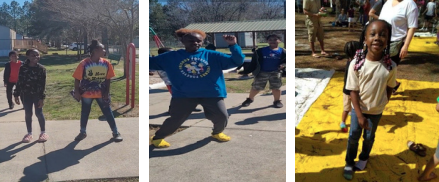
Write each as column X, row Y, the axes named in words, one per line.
column 131, row 73
column 157, row 41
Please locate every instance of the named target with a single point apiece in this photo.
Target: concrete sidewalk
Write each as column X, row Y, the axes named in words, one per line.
column 257, row 151
column 61, row 158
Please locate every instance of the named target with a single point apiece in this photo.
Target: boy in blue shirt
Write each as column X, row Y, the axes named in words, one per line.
column 197, row 77
column 266, row 65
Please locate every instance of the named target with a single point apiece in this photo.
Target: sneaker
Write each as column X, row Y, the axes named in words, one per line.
column 11, row 106
column 117, row 137
column 43, row 137
column 221, row 137
column 348, row 172
column 278, row 104
column 27, row 138
column 247, row 102
column 81, row 136
column 159, row 143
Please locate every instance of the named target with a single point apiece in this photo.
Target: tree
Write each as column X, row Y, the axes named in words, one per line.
column 15, row 11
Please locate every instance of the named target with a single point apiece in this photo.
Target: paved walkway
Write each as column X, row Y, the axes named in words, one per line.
column 61, row 158
column 257, row 151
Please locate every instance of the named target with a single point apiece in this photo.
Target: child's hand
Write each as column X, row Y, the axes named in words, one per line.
column 230, row 39
column 77, row 95
column 17, row 101
column 362, row 121
column 40, row 103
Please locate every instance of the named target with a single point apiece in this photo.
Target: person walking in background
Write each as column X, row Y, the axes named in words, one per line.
column 312, row 9
column 403, row 16
column 10, row 76
column 31, row 88
column 92, row 82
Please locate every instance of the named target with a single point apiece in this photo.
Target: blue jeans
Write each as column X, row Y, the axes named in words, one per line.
column 29, row 101
column 355, row 134
column 106, row 110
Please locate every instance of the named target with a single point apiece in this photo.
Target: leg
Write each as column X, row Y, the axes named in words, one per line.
column 39, row 114
column 9, row 87
column 215, row 110
column 85, row 112
column 259, row 83
column 27, row 104
column 253, row 93
column 369, row 136
column 311, row 36
column 275, row 81
column 108, row 113
column 320, row 38
column 354, row 136
column 431, row 165
column 181, row 108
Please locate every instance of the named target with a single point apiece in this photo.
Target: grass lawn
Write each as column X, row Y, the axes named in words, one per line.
column 60, row 105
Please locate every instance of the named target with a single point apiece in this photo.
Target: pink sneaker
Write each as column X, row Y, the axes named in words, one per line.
column 43, row 137
column 27, row 138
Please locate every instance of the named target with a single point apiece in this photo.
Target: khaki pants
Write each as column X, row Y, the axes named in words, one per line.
column 315, row 29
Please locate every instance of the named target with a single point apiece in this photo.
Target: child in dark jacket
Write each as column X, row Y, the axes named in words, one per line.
column 31, row 87
column 10, row 75
column 266, row 65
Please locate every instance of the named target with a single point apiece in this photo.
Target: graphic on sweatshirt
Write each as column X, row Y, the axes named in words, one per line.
column 194, row 67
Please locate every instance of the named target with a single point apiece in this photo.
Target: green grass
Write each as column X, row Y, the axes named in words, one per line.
column 235, row 85
column 60, row 105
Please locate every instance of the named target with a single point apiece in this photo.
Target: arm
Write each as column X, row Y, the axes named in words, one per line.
column 389, row 93
column 408, row 39
column 155, row 62
column 43, row 85
column 252, row 66
column 234, row 60
column 372, row 14
column 283, row 59
column 19, row 84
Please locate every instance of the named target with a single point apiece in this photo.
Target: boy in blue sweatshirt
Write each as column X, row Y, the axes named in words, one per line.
column 197, row 77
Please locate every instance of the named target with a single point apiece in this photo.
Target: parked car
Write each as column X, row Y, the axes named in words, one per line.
column 76, row 45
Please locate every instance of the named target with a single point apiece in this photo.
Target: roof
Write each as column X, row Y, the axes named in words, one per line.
column 241, row 26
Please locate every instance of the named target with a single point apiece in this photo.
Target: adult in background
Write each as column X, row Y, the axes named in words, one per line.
column 312, row 8
column 375, row 12
column 403, row 16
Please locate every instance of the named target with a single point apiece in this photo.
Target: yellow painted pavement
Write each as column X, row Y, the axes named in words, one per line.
column 410, row 115
column 424, row 44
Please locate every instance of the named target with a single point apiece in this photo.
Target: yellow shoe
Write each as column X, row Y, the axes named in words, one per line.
column 221, row 137
column 160, row 143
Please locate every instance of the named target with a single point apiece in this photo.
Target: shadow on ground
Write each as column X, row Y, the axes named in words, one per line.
column 58, row 160
column 179, row 151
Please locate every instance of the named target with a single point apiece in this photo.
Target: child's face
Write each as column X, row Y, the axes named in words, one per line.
column 34, row 57
column 192, row 42
column 273, row 41
column 13, row 57
column 376, row 37
column 99, row 51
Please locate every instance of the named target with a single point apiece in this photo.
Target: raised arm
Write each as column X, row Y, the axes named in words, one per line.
column 236, row 59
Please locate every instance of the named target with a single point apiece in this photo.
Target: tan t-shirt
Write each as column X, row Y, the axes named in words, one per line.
column 312, row 6
column 371, row 81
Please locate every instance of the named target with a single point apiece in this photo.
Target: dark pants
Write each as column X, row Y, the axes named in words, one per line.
column 355, row 134
column 345, row 23
column 214, row 110
column 29, row 102
column 9, row 87
column 105, row 108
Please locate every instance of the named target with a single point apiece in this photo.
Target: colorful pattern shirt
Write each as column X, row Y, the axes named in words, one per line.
column 92, row 76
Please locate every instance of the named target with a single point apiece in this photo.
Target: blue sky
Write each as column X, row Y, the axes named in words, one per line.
column 21, row 2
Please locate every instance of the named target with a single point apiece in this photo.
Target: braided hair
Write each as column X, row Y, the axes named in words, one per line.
column 360, row 55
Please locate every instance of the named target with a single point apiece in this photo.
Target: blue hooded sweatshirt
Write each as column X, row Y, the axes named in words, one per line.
column 198, row 74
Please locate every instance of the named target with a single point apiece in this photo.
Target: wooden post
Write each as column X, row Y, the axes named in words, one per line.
column 214, row 40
